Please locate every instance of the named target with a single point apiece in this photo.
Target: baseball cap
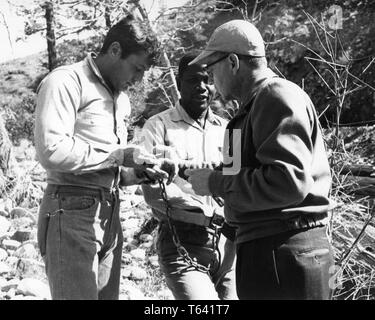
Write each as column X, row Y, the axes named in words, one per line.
column 235, row 36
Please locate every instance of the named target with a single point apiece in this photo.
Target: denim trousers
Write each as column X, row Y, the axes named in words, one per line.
column 188, row 283
column 294, row 265
column 80, row 239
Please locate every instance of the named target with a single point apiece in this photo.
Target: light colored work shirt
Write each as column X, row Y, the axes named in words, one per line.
column 80, row 131
column 175, row 129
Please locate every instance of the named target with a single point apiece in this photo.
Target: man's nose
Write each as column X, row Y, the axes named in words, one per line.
column 202, row 86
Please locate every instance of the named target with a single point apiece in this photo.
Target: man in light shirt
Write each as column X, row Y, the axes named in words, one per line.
column 80, row 139
column 190, row 133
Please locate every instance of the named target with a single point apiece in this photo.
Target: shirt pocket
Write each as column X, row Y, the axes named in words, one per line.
column 98, row 128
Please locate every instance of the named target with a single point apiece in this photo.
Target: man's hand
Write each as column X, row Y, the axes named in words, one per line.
column 170, row 167
column 199, row 180
column 135, row 156
column 148, row 167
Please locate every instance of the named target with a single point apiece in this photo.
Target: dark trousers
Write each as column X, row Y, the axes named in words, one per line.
column 293, row 265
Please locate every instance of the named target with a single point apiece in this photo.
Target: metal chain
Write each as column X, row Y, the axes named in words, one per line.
column 180, row 248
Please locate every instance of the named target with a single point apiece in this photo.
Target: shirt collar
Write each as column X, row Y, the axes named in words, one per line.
column 95, row 70
column 179, row 114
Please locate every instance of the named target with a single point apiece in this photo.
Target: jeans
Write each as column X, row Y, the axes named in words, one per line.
column 187, row 283
column 80, row 239
column 294, row 265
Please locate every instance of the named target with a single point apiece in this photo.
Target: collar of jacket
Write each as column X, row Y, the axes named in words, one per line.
column 179, row 114
column 260, row 78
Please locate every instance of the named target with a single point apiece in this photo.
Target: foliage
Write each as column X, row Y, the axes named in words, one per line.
column 19, row 118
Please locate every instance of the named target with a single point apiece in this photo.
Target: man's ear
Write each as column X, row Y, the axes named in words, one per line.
column 115, row 50
column 234, row 63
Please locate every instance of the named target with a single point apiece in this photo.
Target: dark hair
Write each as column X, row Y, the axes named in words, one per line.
column 184, row 62
column 133, row 37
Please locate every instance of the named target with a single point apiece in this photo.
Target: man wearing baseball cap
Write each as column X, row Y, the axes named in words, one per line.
column 276, row 178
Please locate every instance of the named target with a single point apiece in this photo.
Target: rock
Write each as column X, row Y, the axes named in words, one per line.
column 126, row 272
column 138, row 274
column 131, row 246
column 8, row 205
column 30, row 268
column 11, row 244
column 10, row 294
column 154, row 261
column 129, row 234
column 4, row 268
column 130, row 224
column 139, row 254
column 3, row 254
column 133, row 293
column 146, row 237
column 26, row 251
column 22, row 235
column 3, row 283
column 165, row 294
column 147, row 245
column 4, row 214
column 4, row 226
column 24, row 222
column 22, row 297
column 19, row 212
column 10, row 284
column 33, row 287
column 12, row 262
column 126, row 258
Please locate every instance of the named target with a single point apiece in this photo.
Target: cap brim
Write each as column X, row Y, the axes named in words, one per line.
column 204, row 58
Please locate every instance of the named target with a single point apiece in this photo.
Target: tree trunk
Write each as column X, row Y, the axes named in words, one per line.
column 51, row 39
column 165, row 60
column 107, row 16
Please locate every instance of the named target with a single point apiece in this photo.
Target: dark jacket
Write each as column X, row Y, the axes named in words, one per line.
column 284, row 178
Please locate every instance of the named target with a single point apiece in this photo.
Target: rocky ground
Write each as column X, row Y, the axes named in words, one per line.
column 22, row 274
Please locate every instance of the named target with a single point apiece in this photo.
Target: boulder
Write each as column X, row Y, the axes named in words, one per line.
column 12, row 262
column 3, row 282
column 8, row 205
column 154, row 261
column 4, row 226
column 22, row 235
column 10, row 284
column 147, row 245
column 30, row 268
column 10, row 244
column 4, row 268
column 22, row 297
column 137, row 274
column 132, row 293
column 139, row 254
column 23, row 223
column 19, row 212
column 126, row 258
column 26, row 251
column 3, row 254
column 33, row 287
column 4, row 214
column 146, row 237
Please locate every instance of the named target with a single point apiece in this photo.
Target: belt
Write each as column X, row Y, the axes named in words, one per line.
column 100, row 193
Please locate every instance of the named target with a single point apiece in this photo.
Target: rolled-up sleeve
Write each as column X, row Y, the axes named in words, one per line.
column 57, row 146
